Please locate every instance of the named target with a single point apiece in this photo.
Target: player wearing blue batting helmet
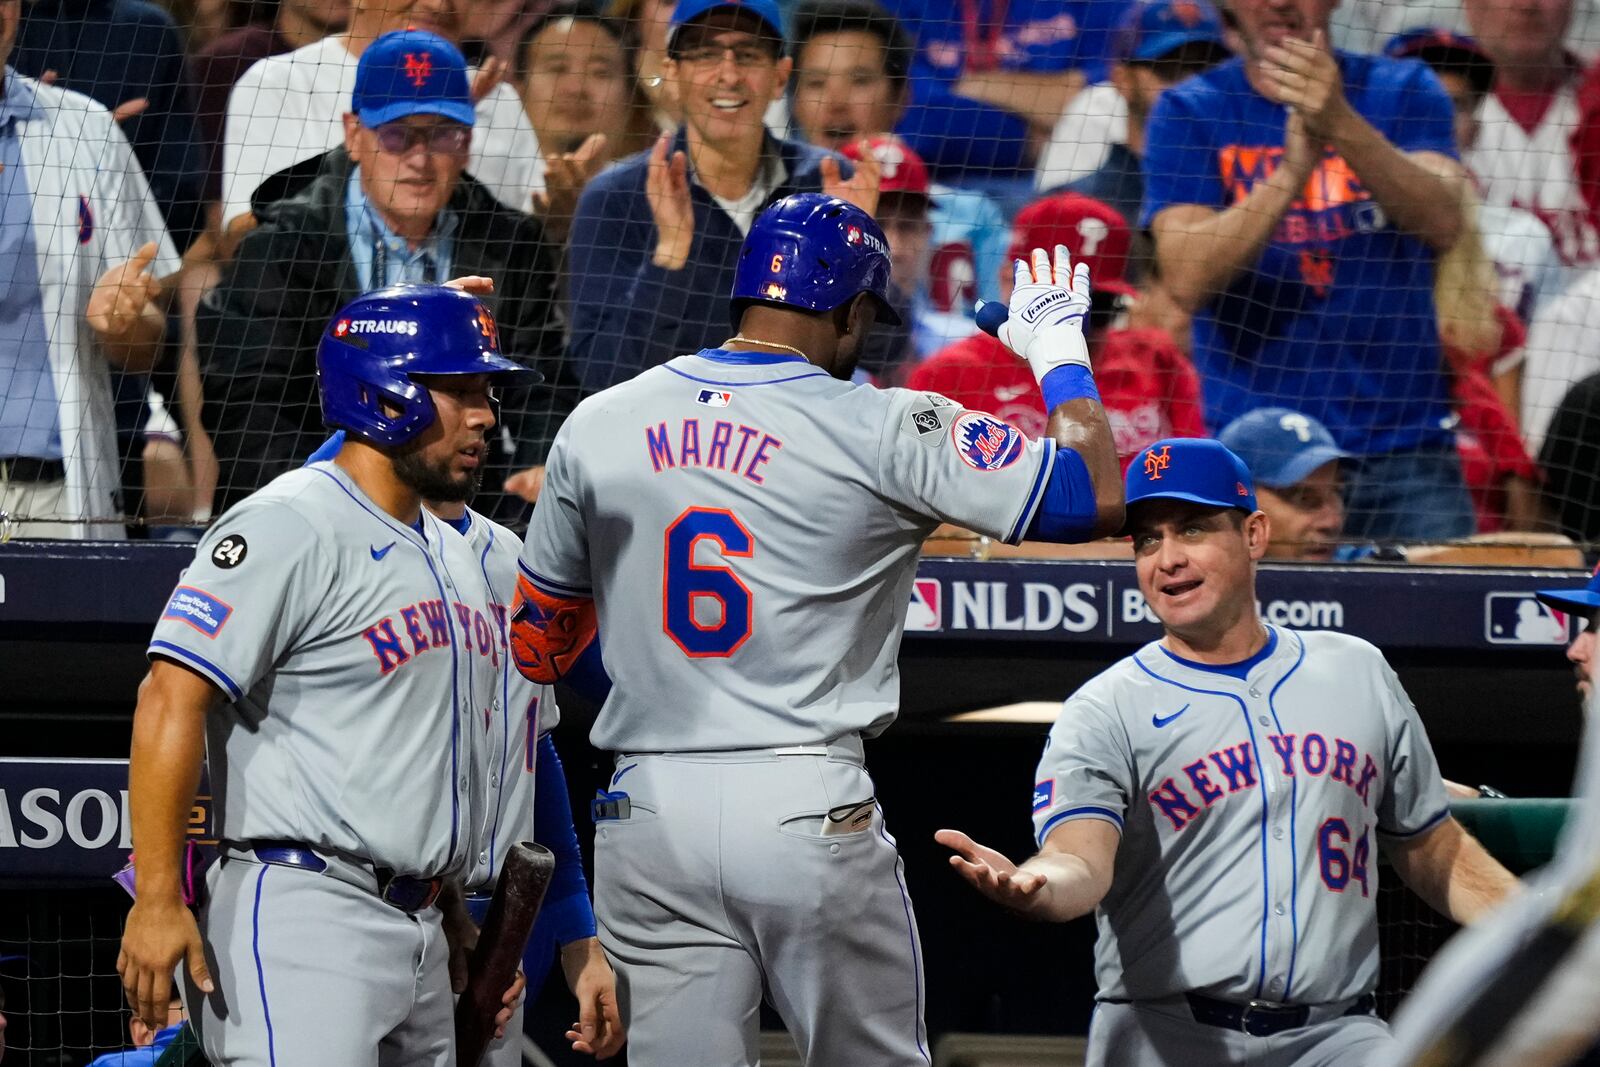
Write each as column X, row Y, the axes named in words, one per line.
column 815, row 253
column 375, row 347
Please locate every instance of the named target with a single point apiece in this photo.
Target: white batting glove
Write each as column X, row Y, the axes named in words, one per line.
column 1048, row 313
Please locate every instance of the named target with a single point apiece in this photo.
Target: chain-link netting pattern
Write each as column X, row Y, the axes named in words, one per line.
column 1359, row 246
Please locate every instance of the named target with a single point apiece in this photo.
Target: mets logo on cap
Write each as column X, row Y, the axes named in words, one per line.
column 419, row 68
column 1156, row 463
column 985, row 442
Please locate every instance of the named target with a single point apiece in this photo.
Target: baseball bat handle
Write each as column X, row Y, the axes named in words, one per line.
column 991, row 315
column 493, row 964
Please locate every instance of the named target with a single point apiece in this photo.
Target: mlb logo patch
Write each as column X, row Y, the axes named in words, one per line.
column 926, row 613
column 1520, row 619
column 985, row 442
column 1044, row 793
column 714, row 398
column 198, row 609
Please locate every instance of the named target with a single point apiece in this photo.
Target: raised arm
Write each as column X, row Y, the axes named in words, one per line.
column 1420, row 192
column 1045, row 325
column 1200, row 250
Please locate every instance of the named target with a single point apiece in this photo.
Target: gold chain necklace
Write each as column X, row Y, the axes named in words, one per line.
column 768, row 344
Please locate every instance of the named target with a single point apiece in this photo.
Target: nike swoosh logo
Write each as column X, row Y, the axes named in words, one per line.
column 379, row 553
column 1158, row 721
column 1007, row 393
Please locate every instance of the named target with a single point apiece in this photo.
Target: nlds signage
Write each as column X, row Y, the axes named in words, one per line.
column 1112, row 609
column 1028, row 606
column 67, row 818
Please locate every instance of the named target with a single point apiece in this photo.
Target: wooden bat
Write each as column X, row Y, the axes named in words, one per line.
column 493, row 963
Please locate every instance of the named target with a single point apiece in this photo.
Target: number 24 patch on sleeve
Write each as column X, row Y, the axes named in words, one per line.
column 198, row 609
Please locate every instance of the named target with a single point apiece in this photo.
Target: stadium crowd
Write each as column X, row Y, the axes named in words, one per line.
column 1377, row 223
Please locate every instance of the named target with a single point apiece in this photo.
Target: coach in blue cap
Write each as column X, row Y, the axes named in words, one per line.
column 1296, row 466
column 393, row 206
column 1197, row 535
column 1584, row 603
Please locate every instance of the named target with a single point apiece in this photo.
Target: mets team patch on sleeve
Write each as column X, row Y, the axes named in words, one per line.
column 197, row 608
column 1043, row 793
column 985, row 442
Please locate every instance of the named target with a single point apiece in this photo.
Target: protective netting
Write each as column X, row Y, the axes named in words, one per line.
column 63, row 1002
column 1371, row 238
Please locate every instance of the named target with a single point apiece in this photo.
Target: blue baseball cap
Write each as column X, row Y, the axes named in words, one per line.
column 411, row 72
column 1280, row 446
column 1442, row 48
column 1152, row 31
column 1574, row 601
column 689, row 10
column 1196, row 469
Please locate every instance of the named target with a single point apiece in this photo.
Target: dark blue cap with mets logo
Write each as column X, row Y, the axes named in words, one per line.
column 1197, row 469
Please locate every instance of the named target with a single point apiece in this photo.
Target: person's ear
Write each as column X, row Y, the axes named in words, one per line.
column 784, row 70
column 1122, row 79
column 1257, row 533
column 352, row 132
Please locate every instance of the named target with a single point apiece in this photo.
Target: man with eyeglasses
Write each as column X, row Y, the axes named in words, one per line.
column 656, row 239
column 285, row 111
column 392, row 206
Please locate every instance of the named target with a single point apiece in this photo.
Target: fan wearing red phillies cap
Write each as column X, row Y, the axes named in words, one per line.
column 851, row 61
column 905, row 211
column 1149, row 388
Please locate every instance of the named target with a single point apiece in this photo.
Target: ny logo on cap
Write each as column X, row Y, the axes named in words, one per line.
column 487, row 327
column 1157, row 462
column 1186, row 12
column 419, row 70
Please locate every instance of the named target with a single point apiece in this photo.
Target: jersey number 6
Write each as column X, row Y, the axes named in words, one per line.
column 687, row 583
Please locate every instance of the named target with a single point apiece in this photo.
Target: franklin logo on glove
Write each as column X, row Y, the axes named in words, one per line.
column 1034, row 311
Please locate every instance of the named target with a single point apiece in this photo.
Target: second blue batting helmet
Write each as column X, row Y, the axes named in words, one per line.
column 813, row 252
column 376, row 342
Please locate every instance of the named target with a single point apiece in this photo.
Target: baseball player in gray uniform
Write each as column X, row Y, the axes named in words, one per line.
column 1522, row 988
column 1217, row 798
column 526, row 801
column 744, row 524
column 333, row 646
column 520, row 720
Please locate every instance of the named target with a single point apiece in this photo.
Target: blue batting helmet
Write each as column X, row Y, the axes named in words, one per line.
column 813, row 252
column 376, row 342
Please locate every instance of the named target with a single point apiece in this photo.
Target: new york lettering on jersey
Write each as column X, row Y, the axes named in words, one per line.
column 334, row 628
column 1278, row 779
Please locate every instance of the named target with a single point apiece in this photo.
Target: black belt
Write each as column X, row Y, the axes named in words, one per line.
column 29, row 469
column 1261, row 1018
column 405, row 892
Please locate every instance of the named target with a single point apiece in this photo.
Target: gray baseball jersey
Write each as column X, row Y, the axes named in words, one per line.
column 520, row 712
column 1249, row 810
column 749, row 527
column 359, row 656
